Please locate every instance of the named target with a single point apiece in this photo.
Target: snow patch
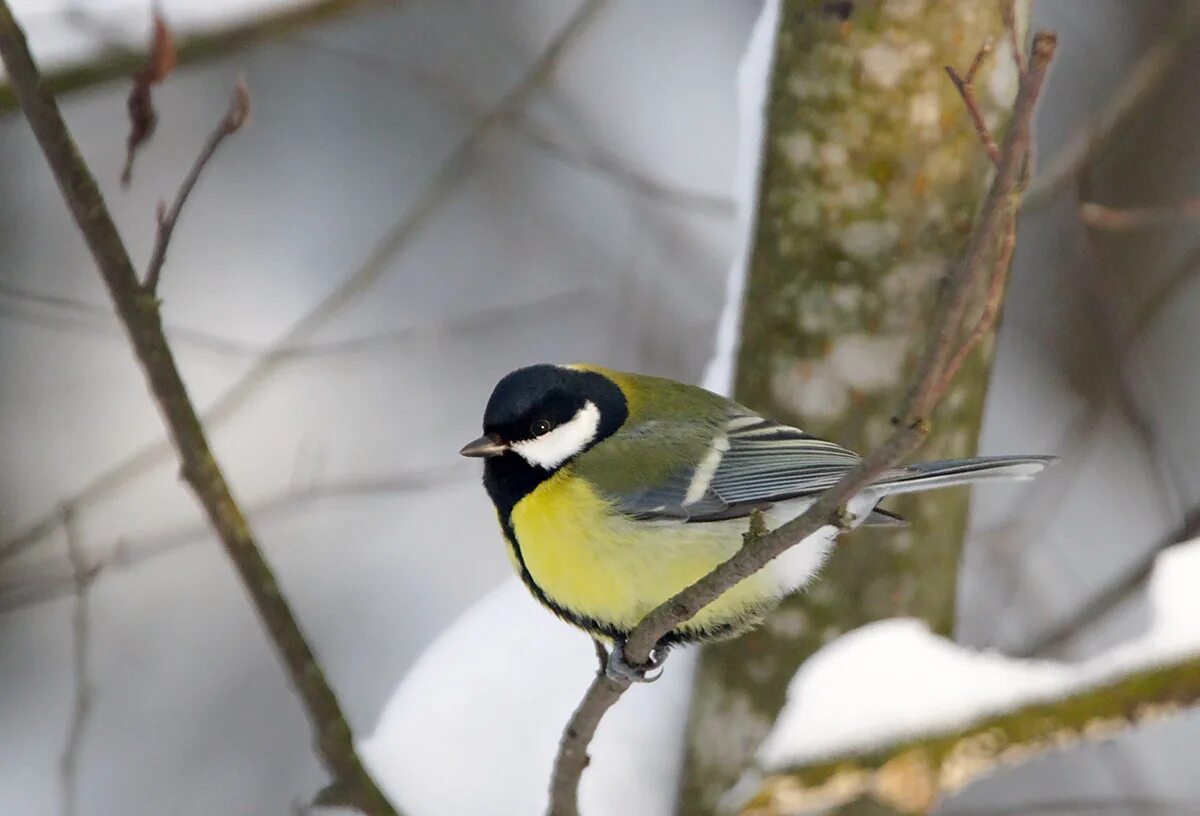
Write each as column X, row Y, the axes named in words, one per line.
column 894, row 679
column 754, row 75
column 474, row 726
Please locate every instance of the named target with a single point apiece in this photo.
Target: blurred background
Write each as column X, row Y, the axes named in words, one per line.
column 428, row 195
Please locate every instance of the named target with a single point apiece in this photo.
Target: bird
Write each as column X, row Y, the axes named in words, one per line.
column 615, row 491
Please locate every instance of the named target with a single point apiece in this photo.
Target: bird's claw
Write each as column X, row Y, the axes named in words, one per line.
column 618, row 668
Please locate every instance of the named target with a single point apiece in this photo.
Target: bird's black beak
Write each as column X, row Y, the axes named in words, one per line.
column 484, row 446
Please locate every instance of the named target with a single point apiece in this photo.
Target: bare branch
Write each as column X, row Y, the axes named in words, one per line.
column 1037, row 503
column 1140, row 85
column 138, row 310
column 966, row 89
column 235, row 116
column 359, row 280
column 116, row 61
column 582, row 153
column 81, row 707
column 1115, row 219
column 1117, row 593
column 912, row 774
column 128, row 553
column 977, row 265
column 1186, row 272
column 83, row 316
column 991, row 307
column 1011, row 24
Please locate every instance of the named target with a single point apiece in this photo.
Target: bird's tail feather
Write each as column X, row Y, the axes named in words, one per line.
column 931, row 475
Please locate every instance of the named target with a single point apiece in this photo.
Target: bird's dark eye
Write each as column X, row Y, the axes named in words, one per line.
column 540, row 427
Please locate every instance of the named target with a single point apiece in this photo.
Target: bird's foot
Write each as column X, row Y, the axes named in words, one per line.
column 618, row 668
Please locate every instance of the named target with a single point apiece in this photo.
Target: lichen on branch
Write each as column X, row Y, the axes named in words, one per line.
column 913, row 775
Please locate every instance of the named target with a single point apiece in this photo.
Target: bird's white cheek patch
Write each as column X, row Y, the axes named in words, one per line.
column 551, row 450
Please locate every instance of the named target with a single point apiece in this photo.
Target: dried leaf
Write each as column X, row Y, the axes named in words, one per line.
column 160, row 61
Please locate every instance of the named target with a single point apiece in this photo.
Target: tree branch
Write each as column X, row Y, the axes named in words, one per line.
column 1118, row 219
column 119, row 63
column 977, row 267
column 1140, row 85
column 912, row 775
column 139, row 311
column 359, row 280
column 235, row 116
column 128, row 553
column 966, row 89
column 82, row 577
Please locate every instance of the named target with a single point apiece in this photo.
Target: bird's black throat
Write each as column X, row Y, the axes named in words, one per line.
column 554, row 393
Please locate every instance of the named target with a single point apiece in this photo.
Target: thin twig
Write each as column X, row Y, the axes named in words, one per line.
column 999, row 208
column 1102, row 297
column 1116, row 594
column 1117, row 219
column 1140, row 85
column 82, row 576
column 77, row 315
column 966, row 89
column 132, row 552
column 583, row 153
column 379, row 259
column 1014, row 37
column 991, row 306
column 1132, row 578
column 1039, row 502
column 1188, row 270
column 139, row 311
column 233, row 119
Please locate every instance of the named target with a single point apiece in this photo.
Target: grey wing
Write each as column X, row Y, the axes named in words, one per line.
column 752, row 463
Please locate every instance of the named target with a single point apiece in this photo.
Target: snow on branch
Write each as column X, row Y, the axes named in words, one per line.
column 942, row 716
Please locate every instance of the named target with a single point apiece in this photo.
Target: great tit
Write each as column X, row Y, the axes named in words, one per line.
column 615, row 491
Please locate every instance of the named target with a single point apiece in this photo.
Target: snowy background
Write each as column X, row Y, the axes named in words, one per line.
column 422, row 202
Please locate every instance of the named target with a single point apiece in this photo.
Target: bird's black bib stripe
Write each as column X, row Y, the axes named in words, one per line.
column 508, row 479
column 552, row 392
column 584, row 622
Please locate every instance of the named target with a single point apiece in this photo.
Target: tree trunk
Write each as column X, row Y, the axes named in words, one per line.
column 871, row 176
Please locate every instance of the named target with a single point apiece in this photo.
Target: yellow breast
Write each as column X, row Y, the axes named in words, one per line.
column 608, row 567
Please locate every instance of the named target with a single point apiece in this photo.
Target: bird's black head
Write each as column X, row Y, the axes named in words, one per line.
column 538, row 419
column 547, row 415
